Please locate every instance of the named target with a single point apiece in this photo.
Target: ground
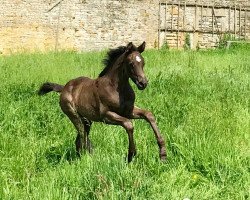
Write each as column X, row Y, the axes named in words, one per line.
column 201, row 103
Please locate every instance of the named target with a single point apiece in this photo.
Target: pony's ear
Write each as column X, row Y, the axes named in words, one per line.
column 129, row 47
column 141, row 48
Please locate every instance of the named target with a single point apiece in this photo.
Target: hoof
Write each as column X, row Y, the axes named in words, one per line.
column 130, row 156
column 78, row 154
column 163, row 154
column 90, row 148
column 163, row 157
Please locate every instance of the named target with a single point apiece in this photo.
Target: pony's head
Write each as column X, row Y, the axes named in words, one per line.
column 135, row 64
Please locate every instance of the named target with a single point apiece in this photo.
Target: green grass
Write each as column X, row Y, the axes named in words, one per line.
column 200, row 100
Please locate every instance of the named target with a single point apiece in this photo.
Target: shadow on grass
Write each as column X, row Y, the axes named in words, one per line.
column 55, row 156
column 58, row 154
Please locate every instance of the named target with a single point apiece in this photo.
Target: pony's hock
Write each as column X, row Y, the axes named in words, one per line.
column 108, row 98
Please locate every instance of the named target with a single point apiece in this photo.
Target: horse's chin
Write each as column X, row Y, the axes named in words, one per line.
column 141, row 86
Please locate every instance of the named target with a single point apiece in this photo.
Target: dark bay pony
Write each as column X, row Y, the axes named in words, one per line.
column 109, row 98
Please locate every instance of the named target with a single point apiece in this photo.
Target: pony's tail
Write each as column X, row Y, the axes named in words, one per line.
column 49, row 87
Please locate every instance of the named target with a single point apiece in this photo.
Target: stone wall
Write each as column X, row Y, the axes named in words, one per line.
column 76, row 24
column 83, row 25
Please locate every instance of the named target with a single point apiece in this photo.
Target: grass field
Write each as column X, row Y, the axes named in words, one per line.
column 200, row 100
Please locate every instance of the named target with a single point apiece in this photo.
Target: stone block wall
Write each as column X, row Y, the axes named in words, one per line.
column 83, row 25
column 29, row 25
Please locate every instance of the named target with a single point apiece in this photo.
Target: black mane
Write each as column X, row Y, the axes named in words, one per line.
column 111, row 57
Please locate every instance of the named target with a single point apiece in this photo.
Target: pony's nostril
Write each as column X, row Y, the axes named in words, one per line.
column 141, row 83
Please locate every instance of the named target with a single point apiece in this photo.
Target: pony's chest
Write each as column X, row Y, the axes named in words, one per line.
column 118, row 100
column 126, row 103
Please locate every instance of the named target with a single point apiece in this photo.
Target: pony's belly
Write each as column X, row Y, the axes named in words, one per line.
column 90, row 113
column 124, row 109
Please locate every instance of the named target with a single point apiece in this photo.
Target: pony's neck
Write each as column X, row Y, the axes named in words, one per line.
column 118, row 74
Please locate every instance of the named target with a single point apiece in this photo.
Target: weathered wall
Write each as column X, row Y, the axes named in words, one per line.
column 93, row 24
column 76, row 24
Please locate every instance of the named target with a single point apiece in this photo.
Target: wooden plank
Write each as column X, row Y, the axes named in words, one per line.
column 245, row 25
column 178, row 18
column 215, row 21
column 235, row 20
column 195, row 17
column 212, row 22
column 229, row 19
column 192, row 31
column 202, row 15
column 184, row 15
column 172, row 14
column 159, row 25
column 209, row 6
column 240, row 22
column 165, row 24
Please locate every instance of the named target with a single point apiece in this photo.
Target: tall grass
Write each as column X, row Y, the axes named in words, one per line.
column 200, row 100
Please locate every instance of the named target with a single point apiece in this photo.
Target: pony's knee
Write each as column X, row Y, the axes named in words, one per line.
column 128, row 126
column 149, row 116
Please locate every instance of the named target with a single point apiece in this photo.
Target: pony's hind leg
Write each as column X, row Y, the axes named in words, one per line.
column 87, row 125
column 82, row 129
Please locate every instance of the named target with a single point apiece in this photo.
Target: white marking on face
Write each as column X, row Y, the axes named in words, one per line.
column 137, row 58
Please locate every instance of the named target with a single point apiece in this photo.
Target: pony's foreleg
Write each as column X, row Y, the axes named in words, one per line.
column 113, row 118
column 147, row 115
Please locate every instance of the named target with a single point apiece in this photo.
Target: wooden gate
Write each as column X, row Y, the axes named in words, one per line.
column 200, row 24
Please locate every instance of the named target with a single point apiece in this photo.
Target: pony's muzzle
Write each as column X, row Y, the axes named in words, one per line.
column 142, row 83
